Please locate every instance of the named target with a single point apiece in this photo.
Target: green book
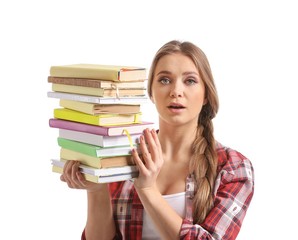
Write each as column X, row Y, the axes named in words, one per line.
column 94, row 150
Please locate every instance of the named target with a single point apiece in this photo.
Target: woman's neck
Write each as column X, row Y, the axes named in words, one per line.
column 176, row 140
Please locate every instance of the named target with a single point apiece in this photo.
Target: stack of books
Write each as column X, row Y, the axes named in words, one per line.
column 99, row 118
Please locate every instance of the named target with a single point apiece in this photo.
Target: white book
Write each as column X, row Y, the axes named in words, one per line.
column 101, row 100
column 102, row 172
column 101, row 179
column 99, row 140
column 117, row 178
column 115, row 151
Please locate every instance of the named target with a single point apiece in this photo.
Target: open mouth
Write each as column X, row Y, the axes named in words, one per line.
column 176, row 106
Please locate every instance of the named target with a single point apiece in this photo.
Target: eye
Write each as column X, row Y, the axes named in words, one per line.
column 164, row 81
column 191, row 81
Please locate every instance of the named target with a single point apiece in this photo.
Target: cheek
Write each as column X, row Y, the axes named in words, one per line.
column 199, row 97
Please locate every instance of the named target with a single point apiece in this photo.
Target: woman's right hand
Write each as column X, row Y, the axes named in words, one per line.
column 75, row 179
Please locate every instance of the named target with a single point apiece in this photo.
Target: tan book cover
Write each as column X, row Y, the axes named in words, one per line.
column 98, row 71
column 96, row 162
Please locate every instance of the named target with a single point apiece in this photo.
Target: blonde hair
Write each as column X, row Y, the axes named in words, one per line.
column 204, row 159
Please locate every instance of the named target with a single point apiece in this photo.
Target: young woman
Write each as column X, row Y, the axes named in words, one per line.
column 189, row 185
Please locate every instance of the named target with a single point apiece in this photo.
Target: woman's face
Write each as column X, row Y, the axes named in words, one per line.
column 177, row 90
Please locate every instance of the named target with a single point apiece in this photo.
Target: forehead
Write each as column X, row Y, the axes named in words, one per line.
column 175, row 62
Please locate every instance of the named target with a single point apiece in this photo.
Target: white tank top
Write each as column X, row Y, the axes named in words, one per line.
column 176, row 201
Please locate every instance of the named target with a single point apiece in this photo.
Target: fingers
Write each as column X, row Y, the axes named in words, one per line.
column 151, row 152
column 152, row 149
column 152, row 159
column 146, row 155
column 138, row 161
column 72, row 176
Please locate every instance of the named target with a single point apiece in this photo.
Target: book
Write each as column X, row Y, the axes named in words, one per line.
column 96, row 162
column 94, row 150
column 100, row 119
column 101, row 130
column 100, row 92
column 100, row 100
column 98, row 172
column 102, row 179
column 99, row 71
column 96, row 83
column 99, row 140
column 94, row 108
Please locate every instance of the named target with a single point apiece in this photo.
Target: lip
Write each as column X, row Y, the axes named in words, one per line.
column 176, row 108
column 177, row 105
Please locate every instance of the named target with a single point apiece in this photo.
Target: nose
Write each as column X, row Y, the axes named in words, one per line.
column 176, row 90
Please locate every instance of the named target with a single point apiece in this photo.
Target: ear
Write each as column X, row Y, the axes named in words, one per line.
column 205, row 101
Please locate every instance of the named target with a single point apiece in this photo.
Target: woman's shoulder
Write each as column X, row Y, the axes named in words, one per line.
column 232, row 161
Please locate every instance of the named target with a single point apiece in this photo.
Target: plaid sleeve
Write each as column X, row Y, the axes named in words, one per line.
column 234, row 189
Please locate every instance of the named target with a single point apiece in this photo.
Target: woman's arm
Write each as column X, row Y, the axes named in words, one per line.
column 165, row 219
column 100, row 223
column 233, row 193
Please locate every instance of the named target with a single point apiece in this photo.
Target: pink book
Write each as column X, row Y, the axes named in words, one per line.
column 100, row 130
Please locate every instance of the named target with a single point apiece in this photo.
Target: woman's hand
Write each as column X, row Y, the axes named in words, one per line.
column 75, row 179
column 152, row 162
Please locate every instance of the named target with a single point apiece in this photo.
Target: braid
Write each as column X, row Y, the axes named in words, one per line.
column 204, row 165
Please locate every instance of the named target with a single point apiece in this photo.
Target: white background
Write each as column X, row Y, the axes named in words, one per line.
column 252, row 49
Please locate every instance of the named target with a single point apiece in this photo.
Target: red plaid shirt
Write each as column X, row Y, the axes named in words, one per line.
column 233, row 192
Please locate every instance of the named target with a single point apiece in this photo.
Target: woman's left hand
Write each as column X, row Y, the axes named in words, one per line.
column 152, row 162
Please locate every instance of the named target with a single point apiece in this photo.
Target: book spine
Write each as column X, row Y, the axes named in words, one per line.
column 78, row 147
column 75, row 116
column 80, row 127
column 93, row 73
column 82, row 137
column 77, row 89
column 102, row 179
column 83, row 158
column 100, row 100
column 76, row 81
column 77, row 106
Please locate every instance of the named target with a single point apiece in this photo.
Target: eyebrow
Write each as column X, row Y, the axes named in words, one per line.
column 185, row 73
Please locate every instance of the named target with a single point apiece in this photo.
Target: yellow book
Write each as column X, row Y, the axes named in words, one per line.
column 96, row 162
column 100, row 92
column 98, row 71
column 93, row 108
column 99, row 120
